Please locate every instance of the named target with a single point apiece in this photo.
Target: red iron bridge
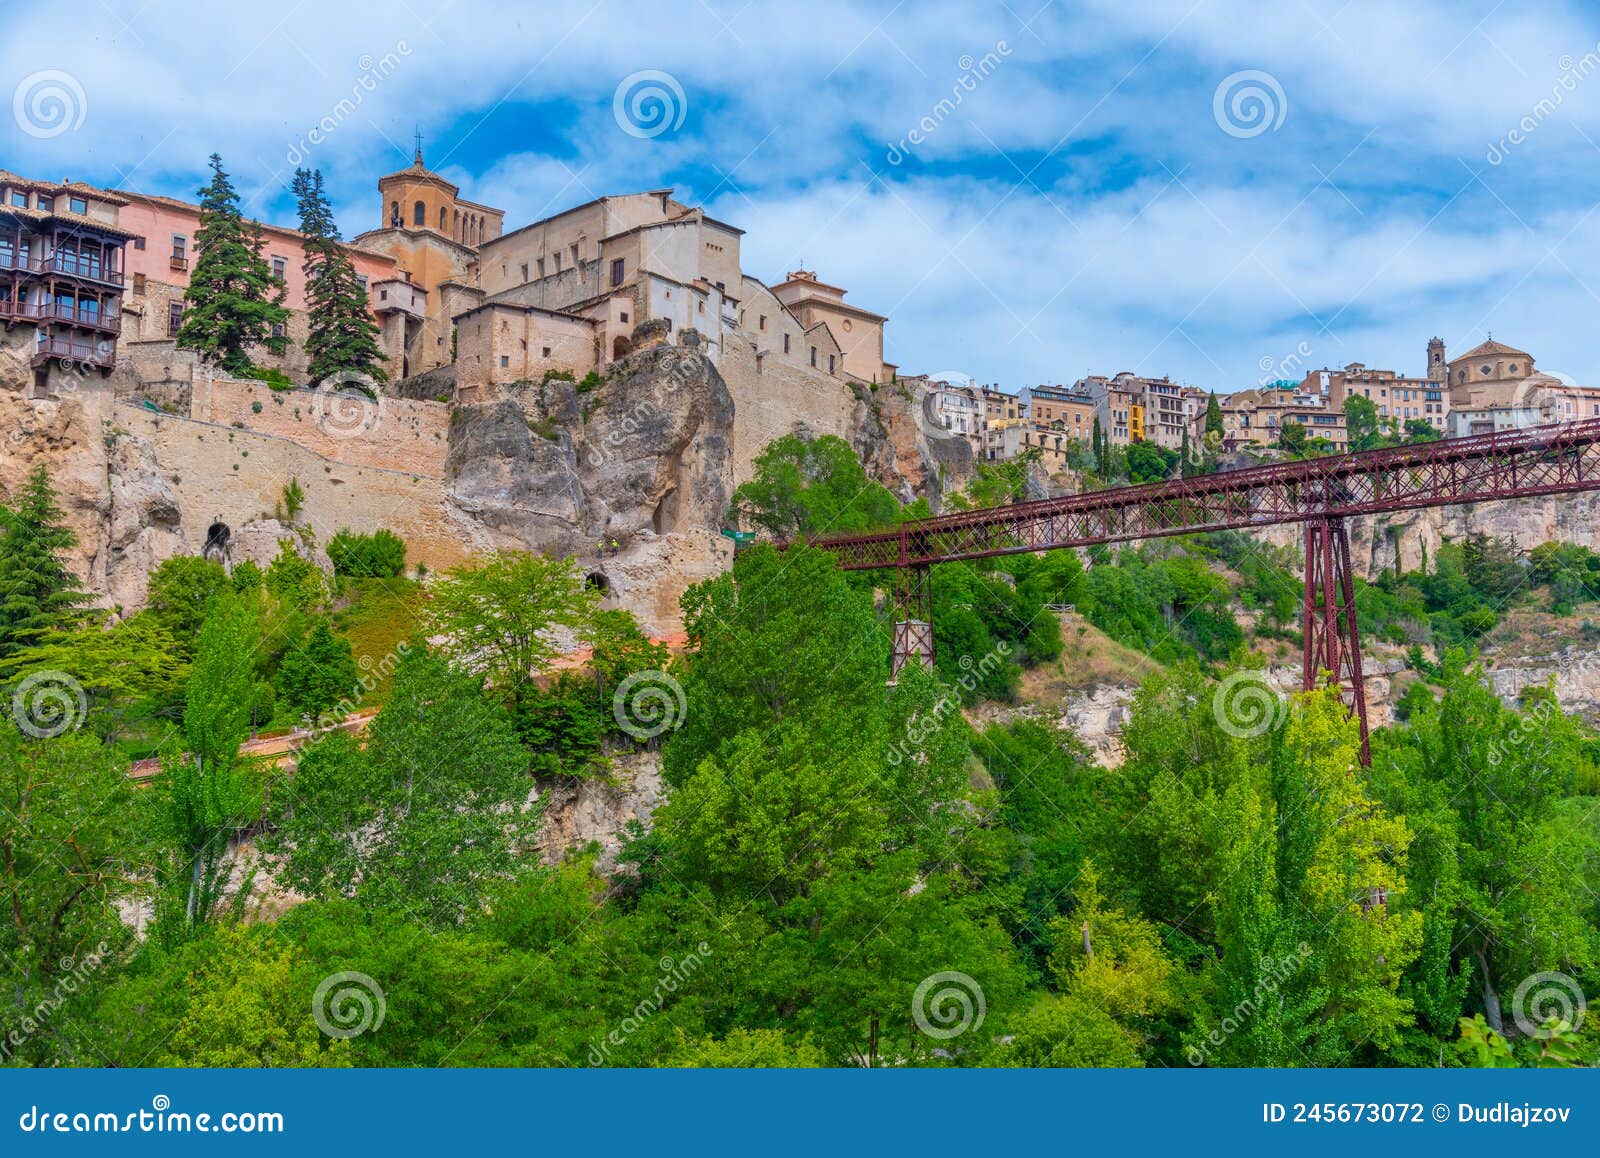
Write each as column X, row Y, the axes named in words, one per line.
column 1319, row 492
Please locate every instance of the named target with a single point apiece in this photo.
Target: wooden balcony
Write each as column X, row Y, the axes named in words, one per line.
column 107, row 321
column 69, row 350
column 178, row 262
column 71, row 265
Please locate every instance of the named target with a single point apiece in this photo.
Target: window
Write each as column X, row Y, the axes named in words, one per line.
column 47, row 204
column 383, row 295
column 280, row 268
column 394, row 213
column 546, row 351
column 540, row 262
column 624, row 317
column 362, row 278
column 419, row 214
column 444, row 221
column 138, row 283
column 830, row 363
column 277, row 329
column 618, row 268
column 174, row 317
column 761, row 322
column 557, row 258
column 138, row 243
column 78, row 205
column 20, row 200
column 574, row 255
column 524, row 271
column 505, row 361
column 813, row 355
column 786, row 343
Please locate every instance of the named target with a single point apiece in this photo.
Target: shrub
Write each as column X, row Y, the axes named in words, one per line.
column 380, row 555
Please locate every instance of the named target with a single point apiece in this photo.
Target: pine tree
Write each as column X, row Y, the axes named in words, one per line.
column 1213, row 415
column 37, row 592
column 233, row 301
column 343, row 337
column 1097, row 436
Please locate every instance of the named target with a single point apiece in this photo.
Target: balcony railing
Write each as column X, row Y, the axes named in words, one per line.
column 179, row 262
column 73, row 265
column 57, row 347
column 108, row 321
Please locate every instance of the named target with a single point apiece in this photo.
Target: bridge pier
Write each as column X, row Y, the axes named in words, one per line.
column 1328, row 619
column 913, row 620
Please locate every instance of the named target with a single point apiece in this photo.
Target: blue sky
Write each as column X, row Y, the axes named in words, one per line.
column 1095, row 201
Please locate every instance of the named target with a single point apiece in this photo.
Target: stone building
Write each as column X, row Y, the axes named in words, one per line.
column 1060, row 408
column 63, row 270
column 1255, row 418
column 1119, row 404
column 859, row 332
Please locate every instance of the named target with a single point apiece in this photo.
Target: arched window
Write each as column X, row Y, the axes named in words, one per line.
column 444, row 219
column 419, row 214
column 456, row 229
column 394, row 213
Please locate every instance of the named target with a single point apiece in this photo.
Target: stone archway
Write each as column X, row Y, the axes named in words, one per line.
column 597, row 581
column 216, row 548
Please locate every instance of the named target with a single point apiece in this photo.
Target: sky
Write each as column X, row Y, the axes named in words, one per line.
column 1226, row 193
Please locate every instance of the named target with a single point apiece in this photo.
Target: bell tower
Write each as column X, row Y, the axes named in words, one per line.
column 1437, row 371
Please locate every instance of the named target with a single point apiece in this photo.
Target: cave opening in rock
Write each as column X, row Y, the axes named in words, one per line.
column 597, row 581
column 619, row 348
column 217, row 536
column 665, row 518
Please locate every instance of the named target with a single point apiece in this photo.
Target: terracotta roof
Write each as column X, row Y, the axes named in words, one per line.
column 9, row 178
column 1491, row 348
column 76, row 220
column 193, row 210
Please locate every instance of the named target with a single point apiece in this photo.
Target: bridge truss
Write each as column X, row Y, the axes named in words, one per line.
column 1319, row 492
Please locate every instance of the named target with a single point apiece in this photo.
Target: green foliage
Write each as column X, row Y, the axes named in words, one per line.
column 232, row 301
column 181, row 591
column 294, row 497
column 317, row 676
column 1172, row 608
column 427, row 814
column 498, row 615
column 295, row 580
column 380, row 555
column 812, row 487
column 1148, row 462
column 37, row 592
column 343, row 338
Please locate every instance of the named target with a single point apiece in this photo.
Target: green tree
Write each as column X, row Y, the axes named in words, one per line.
column 1292, row 439
column 181, row 590
column 1213, row 415
column 314, row 677
column 1363, row 427
column 812, row 486
column 232, row 302
column 343, row 338
column 499, row 615
column 435, row 807
column 37, row 591
column 296, row 580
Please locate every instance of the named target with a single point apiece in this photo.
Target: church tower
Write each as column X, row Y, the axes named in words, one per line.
column 1437, row 371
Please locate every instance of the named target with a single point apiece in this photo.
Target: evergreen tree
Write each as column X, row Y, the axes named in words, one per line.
column 343, row 337
column 37, row 592
column 314, row 678
column 1098, row 436
column 233, row 301
column 1213, row 415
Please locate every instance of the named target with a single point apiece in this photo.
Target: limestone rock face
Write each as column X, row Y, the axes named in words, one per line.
column 259, row 541
column 144, row 525
column 578, row 812
column 644, row 459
